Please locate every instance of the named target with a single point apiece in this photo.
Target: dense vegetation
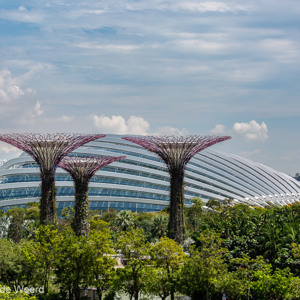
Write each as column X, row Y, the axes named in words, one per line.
column 245, row 252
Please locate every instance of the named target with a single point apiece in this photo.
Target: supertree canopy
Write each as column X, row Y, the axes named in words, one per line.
column 47, row 150
column 176, row 152
column 82, row 170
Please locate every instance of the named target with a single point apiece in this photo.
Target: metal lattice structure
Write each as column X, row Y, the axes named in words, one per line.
column 82, row 170
column 176, row 152
column 48, row 150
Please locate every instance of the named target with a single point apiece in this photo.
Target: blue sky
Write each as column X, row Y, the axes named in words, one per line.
column 148, row 67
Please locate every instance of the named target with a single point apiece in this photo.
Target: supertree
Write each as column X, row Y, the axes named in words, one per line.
column 82, row 169
column 47, row 150
column 176, row 152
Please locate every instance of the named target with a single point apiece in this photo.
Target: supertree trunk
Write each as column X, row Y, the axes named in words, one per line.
column 82, row 169
column 48, row 199
column 176, row 226
column 176, row 152
column 48, row 150
column 81, row 225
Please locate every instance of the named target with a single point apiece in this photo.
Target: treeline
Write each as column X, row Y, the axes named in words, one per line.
column 245, row 252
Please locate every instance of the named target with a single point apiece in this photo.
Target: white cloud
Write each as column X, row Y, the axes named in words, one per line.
column 219, row 130
column 8, row 89
column 107, row 47
column 37, row 111
column 8, row 152
column 22, row 15
column 137, row 125
column 84, row 12
column 4, row 147
column 168, row 130
column 251, row 131
column 191, row 6
column 118, row 125
column 134, row 125
column 204, row 6
column 22, row 8
column 201, row 46
column 284, row 50
column 18, row 105
column 30, row 115
column 33, row 69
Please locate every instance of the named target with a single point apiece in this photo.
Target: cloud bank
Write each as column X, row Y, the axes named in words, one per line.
column 219, row 130
column 19, row 105
column 251, row 131
column 134, row 125
column 118, row 125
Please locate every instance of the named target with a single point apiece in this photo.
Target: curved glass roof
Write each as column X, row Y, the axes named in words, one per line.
column 141, row 181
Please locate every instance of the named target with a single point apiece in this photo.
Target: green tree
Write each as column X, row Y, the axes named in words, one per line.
column 74, row 258
column 135, row 255
column 102, row 272
column 270, row 240
column 32, row 211
column 68, row 213
column 296, row 250
column 144, row 221
column 169, row 258
column 268, row 286
column 157, row 283
column 294, row 292
column 125, row 219
column 237, row 283
column 159, row 226
column 10, row 262
column 213, row 204
column 204, row 267
column 16, row 229
column 40, row 256
column 194, row 214
column 110, row 215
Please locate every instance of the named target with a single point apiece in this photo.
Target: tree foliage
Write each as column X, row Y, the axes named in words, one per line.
column 168, row 258
column 203, row 269
column 135, row 255
column 247, row 253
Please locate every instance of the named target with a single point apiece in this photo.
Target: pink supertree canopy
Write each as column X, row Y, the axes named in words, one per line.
column 176, row 151
column 83, row 168
column 48, row 149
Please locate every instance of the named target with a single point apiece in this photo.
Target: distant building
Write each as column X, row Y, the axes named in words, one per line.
column 140, row 182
